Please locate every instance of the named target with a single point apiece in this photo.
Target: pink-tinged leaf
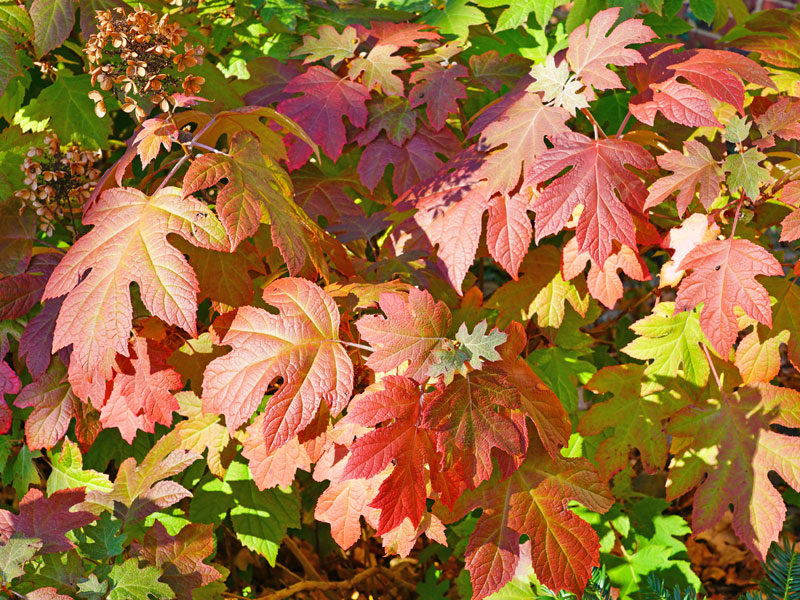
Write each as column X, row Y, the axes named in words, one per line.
column 392, row 115
column 678, row 102
column 9, row 384
column 326, row 98
column 46, row 593
column 517, row 138
column 718, row 72
column 299, row 344
column 790, row 227
column 279, row 466
column 604, row 282
column 723, row 277
column 37, row 339
column 154, row 134
column 694, row 168
column 509, row 231
column 470, row 426
column 492, row 554
column 48, row 519
column 695, row 230
column 782, row 119
column 598, row 175
column 591, row 49
column 141, row 393
column 272, row 77
column 450, row 209
column 376, row 70
column 439, row 89
column 128, row 244
column 413, row 162
column 402, row 539
column 54, row 405
column 737, row 427
column 180, row 557
column 396, row 400
column 414, row 328
column 495, row 71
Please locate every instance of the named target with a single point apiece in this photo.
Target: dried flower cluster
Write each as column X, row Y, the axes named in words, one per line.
column 60, row 180
column 136, row 58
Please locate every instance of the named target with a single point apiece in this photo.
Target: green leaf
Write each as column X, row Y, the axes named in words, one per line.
column 737, row 129
column 260, row 519
column 14, row 18
column 518, row 12
column 671, row 341
column 704, row 10
column 25, row 474
column 746, row 173
column 11, row 100
column 14, row 555
column 92, row 588
column 455, row 18
column 101, row 539
column 130, row 582
column 479, row 344
column 286, row 11
column 9, row 64
column 68, row 471
column 52, row 22
column 562, row 371
column 212, row 499
column 66, row 102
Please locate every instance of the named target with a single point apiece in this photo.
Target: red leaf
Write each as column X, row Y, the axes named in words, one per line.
column 9, row 384
column 299, row 344
column 533, row 501
column 396, row 34
column 272, row 75
column 180, row 557
column 718, row 73
column 723, row 277
column 140, row 396
column 37, row 339
column 326, row 99
column 402, row 494
column 438, row 88
column 20, row 293
column 414, row 328
column 591, row 49
column 782, row 119
column 48, row 519
column 128, row 244
column 494, row 71
column 597, row 175
column 470, row 418
column 414, row 161
column 54, row 405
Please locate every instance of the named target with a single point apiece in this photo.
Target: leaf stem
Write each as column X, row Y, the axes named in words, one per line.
column 713, row 368
column 624, row 123
column 594, row 123
column 355, row 345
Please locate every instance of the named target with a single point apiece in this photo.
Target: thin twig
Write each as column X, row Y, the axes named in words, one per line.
column 305, row 586
column 624, row 122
